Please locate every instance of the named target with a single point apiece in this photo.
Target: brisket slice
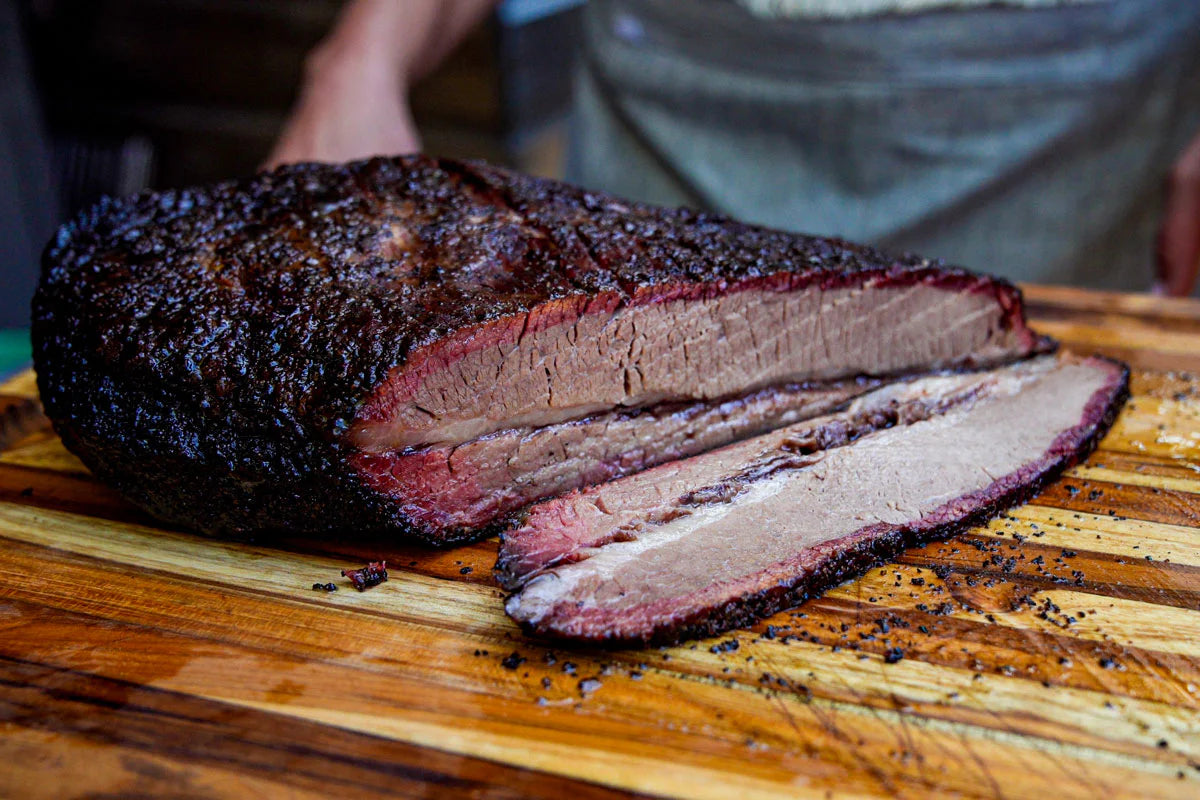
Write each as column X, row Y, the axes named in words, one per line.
column 465, row 486
column 717, row 541
column 313, row 348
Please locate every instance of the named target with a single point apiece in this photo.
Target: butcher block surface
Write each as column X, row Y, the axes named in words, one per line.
column 1053, row 653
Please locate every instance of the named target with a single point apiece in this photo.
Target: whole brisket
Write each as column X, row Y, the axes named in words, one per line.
column 720, row 540
column 425, row 345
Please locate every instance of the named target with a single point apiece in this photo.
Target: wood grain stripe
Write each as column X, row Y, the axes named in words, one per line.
column 1132, row 539
column 797, row 748
column 309, row 631
column 23, row 384
column 173, row 744
column 1161, row 583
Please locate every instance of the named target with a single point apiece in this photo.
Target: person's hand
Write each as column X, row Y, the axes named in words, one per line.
column 351, row 106
column 1179, row 237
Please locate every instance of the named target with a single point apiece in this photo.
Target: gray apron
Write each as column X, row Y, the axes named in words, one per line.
column 1031, row 142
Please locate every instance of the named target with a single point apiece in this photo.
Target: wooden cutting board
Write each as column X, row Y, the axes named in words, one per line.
column 1054, row 653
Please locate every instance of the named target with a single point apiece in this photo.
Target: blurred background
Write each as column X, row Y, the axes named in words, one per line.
column 130, row 94
column 1044, row 140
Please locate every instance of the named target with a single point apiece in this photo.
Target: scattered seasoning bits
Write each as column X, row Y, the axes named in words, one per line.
column 727, row 646
column 324, row 587
column 27, row 492
column 363, row 578
column 892, row 655
column 465, row 571
column 513, row 660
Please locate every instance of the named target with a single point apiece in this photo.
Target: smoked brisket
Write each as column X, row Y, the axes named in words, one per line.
column 423, row 346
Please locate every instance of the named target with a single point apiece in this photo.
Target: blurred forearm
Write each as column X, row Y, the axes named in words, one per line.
column 408, row 37
column 1179, row 237
column 354, row 100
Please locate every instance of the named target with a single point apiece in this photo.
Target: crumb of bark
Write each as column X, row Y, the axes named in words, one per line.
column 363, row 578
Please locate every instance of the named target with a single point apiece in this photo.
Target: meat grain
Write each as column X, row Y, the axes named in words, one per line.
column 720, row 540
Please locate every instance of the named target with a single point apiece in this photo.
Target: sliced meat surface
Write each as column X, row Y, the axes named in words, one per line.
column 706, row 344
column 319, row 348
column 719, row 540
column 466, row 486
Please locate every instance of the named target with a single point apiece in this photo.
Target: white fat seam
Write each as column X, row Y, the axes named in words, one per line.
column 548, row 589
column 543, row 592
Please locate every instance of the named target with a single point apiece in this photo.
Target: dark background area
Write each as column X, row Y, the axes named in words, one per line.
column 163, row 93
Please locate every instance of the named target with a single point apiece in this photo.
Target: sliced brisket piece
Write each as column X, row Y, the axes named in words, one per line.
column 318, row 348
column 464, row 486
column 717, row 541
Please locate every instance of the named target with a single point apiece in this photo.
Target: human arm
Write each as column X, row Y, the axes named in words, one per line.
column 354, row 99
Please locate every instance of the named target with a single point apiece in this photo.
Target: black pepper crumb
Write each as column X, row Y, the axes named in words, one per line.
column 27, row 492
column 465, row 571
column 324, row 587
column 892, row 655
column 513, row 660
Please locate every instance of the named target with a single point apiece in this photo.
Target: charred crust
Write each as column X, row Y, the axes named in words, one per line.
column 206, row 350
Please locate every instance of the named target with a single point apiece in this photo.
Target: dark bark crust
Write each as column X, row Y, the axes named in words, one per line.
column 872, row 551
column 205, row 350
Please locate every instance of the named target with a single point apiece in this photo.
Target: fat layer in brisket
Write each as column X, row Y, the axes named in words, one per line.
column 700, row 545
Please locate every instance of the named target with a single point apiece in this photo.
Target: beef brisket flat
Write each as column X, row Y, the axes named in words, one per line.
column 720, row 540
column 424, row 345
